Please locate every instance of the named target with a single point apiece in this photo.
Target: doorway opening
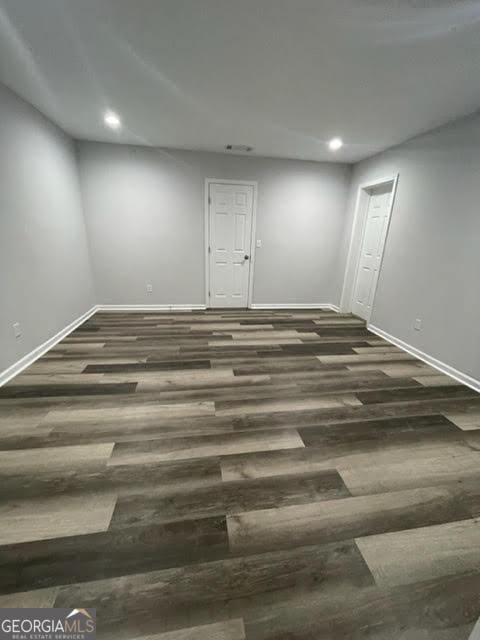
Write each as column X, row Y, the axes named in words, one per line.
column 369, row 233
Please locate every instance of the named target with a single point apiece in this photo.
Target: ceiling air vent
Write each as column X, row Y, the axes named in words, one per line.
column 243, row 148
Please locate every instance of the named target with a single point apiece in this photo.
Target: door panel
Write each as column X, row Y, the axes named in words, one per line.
column 373, row 242
column 240, row 224
column 230, row 217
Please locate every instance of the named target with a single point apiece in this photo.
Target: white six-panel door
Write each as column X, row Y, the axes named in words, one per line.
column 376, row 226
column 230, row 224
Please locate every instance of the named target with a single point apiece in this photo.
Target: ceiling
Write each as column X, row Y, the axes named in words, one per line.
column 284, row 76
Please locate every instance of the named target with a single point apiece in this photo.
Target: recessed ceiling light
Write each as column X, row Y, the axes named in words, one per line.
column 112, row 120
column 335, row 144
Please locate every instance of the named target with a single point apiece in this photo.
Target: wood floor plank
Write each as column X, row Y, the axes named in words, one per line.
column 466, row 421
column 437, row 380
column 44, row 365
column 39, row 461
column 26, row 520
column 386, row 348
column 235, row 407
column 395, row 370
column 405, row 557
column 147, row 366
column 365, row 357
column 410, row 395
column 42, row 390
column 319, row 523
column 315, row 348
column 26, row 378
column 393, row 476
column 128, row 413
column 320, row 375
column 184, row 448
column 173, row 379
column 357, row 436
column 256, row 366
column 253, row 342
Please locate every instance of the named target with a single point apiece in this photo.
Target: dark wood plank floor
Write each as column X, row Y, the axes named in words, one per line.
column 241, row 476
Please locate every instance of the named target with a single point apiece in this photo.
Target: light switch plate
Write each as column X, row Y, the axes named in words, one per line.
column 417, row 324
column 259, row 244
column 17, row 329
column 149, row 288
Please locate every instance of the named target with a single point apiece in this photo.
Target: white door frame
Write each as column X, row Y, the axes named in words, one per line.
column 251, row 183
column 359, row 220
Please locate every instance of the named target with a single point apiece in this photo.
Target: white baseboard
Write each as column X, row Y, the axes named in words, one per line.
column 151, row 307
column 295, row 305
column 27, row 360
column 433, row 362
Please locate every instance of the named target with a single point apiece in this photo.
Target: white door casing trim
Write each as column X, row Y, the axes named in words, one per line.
column 360, row 216
column 254, row 185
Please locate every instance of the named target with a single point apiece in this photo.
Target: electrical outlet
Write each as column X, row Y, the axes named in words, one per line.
column 149, row 288
column 417, row 325
column 17, row 329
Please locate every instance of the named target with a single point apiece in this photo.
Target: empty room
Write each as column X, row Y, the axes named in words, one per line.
column 239, row 320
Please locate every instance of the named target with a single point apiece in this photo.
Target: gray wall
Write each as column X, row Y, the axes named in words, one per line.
column 431, row 264
column 145, row 214
column 44, row 264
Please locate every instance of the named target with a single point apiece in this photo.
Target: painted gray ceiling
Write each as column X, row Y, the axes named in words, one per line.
column 281, row 75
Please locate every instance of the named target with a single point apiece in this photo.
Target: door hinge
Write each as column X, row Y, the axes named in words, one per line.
column 209, row 250
column 209, row 200
column 209, row 294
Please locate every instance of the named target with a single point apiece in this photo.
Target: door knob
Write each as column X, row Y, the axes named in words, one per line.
column 246, row 257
